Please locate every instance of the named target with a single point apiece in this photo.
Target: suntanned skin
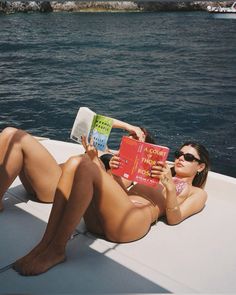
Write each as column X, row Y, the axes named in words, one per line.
column 21, row 154
column 82, row 188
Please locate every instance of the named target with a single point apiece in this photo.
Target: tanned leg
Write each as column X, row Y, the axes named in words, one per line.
column 121, row 220
column 20, row 153
column 55, row 254
column 59, row 204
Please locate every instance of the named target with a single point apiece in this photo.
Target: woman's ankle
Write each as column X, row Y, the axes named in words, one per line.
column 57, row 248
column 45, row 242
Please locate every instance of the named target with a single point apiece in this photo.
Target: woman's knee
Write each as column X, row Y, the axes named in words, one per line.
column 13, row 134
column 87, row 169
column 81, row 167
column 8, row 132
column 74, row 162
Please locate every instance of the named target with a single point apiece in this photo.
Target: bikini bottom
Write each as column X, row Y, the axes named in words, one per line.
column 152, row 206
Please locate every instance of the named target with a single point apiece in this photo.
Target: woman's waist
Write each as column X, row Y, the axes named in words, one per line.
column 143, row 197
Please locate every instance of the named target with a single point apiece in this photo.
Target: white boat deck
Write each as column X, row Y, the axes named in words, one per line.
column 196, row 256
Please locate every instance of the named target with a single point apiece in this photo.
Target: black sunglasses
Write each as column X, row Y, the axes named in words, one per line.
column 187, row 157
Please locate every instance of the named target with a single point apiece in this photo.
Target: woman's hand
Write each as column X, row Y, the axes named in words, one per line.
column 136, row 132
column 162, row 171
column 90, row 150
column 114, row 162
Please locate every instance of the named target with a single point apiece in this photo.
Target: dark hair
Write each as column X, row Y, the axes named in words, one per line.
column 201, row 177
column 105, row 158
column 148, row 136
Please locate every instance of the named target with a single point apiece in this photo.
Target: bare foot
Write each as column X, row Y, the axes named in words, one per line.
column 42, row 262
column 28, row 258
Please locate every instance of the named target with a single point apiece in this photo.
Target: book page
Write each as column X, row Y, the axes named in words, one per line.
column 82, row 124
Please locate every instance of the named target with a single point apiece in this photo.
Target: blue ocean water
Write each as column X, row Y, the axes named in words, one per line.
column 173, row 73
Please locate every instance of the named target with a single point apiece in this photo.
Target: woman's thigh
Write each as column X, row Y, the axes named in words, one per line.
column 120, row 219
column 40, row 172
column 92, row 220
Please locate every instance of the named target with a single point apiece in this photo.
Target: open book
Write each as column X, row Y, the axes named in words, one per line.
column 90, row 124
column 137, row 158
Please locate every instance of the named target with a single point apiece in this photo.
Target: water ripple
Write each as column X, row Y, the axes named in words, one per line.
column 166, row 71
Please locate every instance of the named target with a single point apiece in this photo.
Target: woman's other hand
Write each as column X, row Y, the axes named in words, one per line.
column 90, row 150
column 162, row 171
column 114, row 162
column 137, row 133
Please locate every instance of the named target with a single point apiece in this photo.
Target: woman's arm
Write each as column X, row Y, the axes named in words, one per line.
column 192, row 205
column 130, row 128
column 176, row 212
column 173, row 212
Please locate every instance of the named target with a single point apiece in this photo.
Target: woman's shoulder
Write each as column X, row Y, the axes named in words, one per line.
column 199, row 192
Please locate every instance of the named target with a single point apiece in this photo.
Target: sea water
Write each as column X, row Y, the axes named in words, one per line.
column 173, row 73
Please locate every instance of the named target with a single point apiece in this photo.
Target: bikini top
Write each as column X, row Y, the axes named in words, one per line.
column 180, row 185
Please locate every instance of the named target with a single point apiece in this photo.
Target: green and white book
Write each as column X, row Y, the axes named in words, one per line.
column 92, row 125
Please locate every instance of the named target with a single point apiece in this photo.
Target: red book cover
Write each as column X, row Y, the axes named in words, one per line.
column 137, row 158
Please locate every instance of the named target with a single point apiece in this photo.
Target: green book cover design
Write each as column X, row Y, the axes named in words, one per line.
column 100, row 131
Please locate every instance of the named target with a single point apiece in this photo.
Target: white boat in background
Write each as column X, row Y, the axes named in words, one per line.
column 220, row 9
column 196, row 256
